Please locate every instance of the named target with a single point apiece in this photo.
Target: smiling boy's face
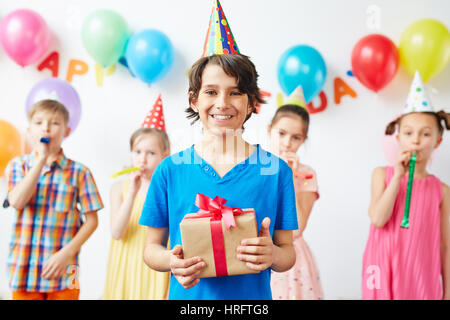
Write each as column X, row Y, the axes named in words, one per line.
column 48, row 124
column 220, row 104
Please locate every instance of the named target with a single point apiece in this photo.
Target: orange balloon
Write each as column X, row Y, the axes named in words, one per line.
column 10, row 144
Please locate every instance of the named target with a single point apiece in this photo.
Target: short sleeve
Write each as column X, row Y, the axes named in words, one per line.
column 155, row 212
column 15, row 172
column 287, row 210
column 88, row 196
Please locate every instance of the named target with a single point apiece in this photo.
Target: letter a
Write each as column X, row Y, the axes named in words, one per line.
column 51, row 63
column 341, row 89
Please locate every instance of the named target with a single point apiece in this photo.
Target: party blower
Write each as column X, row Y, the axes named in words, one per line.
column 412, row 165
column 124, row 171
column 45, row 140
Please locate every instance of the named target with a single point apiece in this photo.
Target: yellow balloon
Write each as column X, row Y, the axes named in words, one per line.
column 425, row 46
column 10, row 144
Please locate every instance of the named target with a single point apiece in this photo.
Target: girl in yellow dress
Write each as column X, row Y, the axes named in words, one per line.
column 128, row 277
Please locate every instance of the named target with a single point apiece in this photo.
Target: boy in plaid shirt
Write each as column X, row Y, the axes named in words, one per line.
column 51, row 194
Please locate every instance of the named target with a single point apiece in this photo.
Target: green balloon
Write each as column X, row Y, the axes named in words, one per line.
column 105, row 34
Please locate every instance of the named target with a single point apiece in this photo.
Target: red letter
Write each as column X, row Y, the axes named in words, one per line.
column 323, row 104
column 51, row 63
column 341, row 89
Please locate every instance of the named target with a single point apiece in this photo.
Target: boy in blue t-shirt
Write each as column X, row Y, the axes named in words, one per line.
column 223, row 93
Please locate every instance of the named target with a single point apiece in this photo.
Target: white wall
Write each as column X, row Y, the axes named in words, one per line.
column 345, row 140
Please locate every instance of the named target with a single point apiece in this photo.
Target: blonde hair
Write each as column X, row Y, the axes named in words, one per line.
column 160, row 134
column 49, row 106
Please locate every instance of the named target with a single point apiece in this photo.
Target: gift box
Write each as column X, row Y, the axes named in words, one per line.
column 214, row 232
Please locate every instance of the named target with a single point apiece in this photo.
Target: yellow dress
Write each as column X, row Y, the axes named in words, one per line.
column 127, row 276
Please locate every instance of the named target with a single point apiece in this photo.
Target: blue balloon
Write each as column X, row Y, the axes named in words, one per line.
column 149, row 55
column 302, row 65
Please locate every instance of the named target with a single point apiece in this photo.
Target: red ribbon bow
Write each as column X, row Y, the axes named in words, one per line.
column 216, row 210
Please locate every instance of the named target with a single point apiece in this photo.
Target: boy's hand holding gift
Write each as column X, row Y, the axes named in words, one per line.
column 219, row 241
column 186, row 271
column 257, row 252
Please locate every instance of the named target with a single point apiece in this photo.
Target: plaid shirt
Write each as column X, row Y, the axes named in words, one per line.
column 64, row 192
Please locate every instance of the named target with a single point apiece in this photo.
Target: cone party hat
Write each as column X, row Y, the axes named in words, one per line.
column 155, row 117
column 219, row 39
column 418, row 100
column 296, row 98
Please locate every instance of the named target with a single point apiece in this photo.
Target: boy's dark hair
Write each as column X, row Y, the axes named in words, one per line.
column 440, row 116
column 238, row 66
column 286, row 110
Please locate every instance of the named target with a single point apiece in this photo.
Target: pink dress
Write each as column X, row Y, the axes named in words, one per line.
column 302, row 281
column 405, row 264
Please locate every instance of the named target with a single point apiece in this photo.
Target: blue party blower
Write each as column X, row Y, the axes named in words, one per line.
column 45, row 140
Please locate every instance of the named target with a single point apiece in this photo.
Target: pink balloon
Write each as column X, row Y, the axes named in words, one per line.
column 391, row 148
column 24, row 36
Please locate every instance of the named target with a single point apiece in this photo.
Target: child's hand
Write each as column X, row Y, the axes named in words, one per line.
column 135, row 181
column 185, row 271
column 401, row 166
column 291, row 159
column 257, row 252
column 56, row 266
column 43, row 150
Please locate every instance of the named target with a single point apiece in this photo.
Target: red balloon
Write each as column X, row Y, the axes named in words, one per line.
column 375, row 61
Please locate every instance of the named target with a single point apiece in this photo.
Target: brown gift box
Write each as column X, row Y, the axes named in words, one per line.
column 196, row 240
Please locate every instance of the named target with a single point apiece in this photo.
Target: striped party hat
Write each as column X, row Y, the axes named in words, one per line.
column 155, row 117
column 296, row 98
column 418, row 100
column 219, row 39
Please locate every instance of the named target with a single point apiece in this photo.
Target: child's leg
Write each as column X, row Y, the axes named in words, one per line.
column 28, row 295
column 66, row 294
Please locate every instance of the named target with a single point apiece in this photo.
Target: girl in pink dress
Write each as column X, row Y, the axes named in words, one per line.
column 409, row 263
column 287, row 131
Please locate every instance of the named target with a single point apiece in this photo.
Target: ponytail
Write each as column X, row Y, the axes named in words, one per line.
column 390, row 128
column 443, row 116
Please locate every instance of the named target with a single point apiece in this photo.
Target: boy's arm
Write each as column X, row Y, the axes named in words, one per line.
column 159, row 258
column 156, row 255
column 22, row 192
column 56, row 266
column 283, row 256
column 445, row 240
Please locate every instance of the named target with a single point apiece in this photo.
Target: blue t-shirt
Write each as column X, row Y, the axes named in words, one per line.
column 263, row 182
